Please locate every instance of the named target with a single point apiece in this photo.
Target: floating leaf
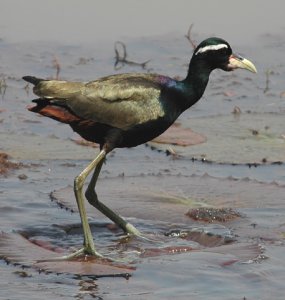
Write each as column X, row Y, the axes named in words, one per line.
column 177, row 135
column 16, row 249
column 235, row 139
column 168, row 198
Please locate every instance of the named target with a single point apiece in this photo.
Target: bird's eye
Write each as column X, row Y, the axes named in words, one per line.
column 224, row 51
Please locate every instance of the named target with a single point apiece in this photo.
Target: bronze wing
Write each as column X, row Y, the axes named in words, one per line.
column 120, row 100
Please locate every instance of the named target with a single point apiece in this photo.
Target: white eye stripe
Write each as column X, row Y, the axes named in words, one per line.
column 211, row 47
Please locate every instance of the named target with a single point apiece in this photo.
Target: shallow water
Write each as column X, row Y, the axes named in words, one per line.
column 152, row 190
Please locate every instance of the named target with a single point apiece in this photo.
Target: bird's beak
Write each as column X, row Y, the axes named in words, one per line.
column 237, row 61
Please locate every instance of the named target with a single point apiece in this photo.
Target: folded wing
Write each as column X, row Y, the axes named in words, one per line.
column 120, row 101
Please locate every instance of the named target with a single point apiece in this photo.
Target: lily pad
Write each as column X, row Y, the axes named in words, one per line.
column 169, row 198
column 248, row 138
column 18, row 250
column 177, row 135
column 163, row 204
column 19, row 147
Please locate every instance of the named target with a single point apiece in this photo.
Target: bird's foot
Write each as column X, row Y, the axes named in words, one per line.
column 131, row 230
column 83, row 252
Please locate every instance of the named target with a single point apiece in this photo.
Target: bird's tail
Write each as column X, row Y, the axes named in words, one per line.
column 48, row 109
column 32, row 79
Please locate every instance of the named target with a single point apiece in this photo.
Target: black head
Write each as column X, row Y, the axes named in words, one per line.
column 217, row 53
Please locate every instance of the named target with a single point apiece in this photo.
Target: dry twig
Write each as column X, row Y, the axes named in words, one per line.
column 189, row 37
column 122, row 60
column 3, row 86
column 267, row 74
column 56, row 65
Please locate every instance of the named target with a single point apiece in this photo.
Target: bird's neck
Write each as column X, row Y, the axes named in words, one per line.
column 196, row 80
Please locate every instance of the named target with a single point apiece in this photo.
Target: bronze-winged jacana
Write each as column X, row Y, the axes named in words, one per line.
column 127, row 110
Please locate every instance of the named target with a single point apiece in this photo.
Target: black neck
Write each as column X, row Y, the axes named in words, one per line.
column 196, row 80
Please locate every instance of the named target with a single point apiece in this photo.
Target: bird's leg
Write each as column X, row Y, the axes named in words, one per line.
column 89, row 246
column 92, row 198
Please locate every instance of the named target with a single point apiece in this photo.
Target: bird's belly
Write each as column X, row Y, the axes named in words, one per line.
column 120, row 138
column 143, row 133
column 92, row 131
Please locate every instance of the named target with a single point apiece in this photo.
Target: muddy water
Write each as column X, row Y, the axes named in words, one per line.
column 216, row 260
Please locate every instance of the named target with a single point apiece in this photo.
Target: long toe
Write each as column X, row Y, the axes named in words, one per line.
column 77, row 254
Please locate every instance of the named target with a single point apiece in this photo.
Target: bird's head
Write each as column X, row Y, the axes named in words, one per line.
column 217, row 53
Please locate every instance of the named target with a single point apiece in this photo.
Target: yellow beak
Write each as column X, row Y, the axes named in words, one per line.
column 237, row 61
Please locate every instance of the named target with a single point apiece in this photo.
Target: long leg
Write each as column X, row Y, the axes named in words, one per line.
column 89, row 246
column 92, row 198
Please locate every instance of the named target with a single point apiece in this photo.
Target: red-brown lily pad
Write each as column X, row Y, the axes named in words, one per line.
column 177, row 135
column 241, row 252
column 16, row 249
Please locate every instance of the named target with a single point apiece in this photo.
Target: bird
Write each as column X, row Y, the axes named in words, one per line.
column 126, row 110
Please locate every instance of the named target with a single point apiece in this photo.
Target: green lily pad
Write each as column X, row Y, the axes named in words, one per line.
column 248, row 138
